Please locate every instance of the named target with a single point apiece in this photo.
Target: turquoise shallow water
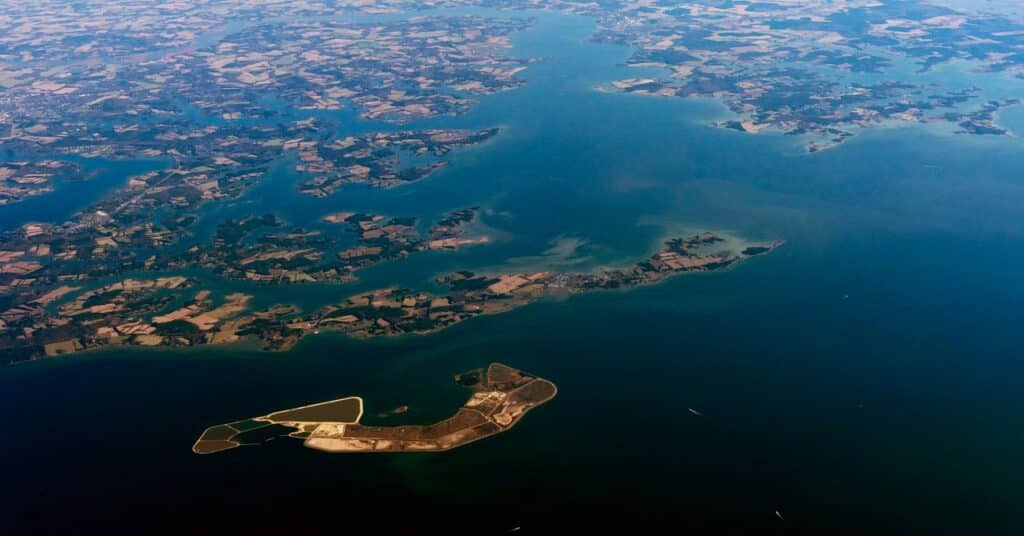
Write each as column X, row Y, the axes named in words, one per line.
column 863, row 377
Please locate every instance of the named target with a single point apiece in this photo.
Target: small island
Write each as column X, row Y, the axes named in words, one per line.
column 501, row 397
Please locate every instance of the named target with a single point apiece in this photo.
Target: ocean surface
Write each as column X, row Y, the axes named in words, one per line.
column 864, row 377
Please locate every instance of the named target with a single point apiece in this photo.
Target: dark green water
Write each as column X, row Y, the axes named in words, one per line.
column 864, row 377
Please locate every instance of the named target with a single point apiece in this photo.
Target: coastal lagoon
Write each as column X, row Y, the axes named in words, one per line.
column 864, row 375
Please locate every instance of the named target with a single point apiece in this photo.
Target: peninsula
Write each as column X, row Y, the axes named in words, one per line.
column 156, row 312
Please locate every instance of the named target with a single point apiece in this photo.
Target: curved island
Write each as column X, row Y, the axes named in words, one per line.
column 501, row 397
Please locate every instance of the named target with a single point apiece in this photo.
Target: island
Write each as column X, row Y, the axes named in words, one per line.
column 501, row 397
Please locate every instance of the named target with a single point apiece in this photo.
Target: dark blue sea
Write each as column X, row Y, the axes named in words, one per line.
column 866, row 377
